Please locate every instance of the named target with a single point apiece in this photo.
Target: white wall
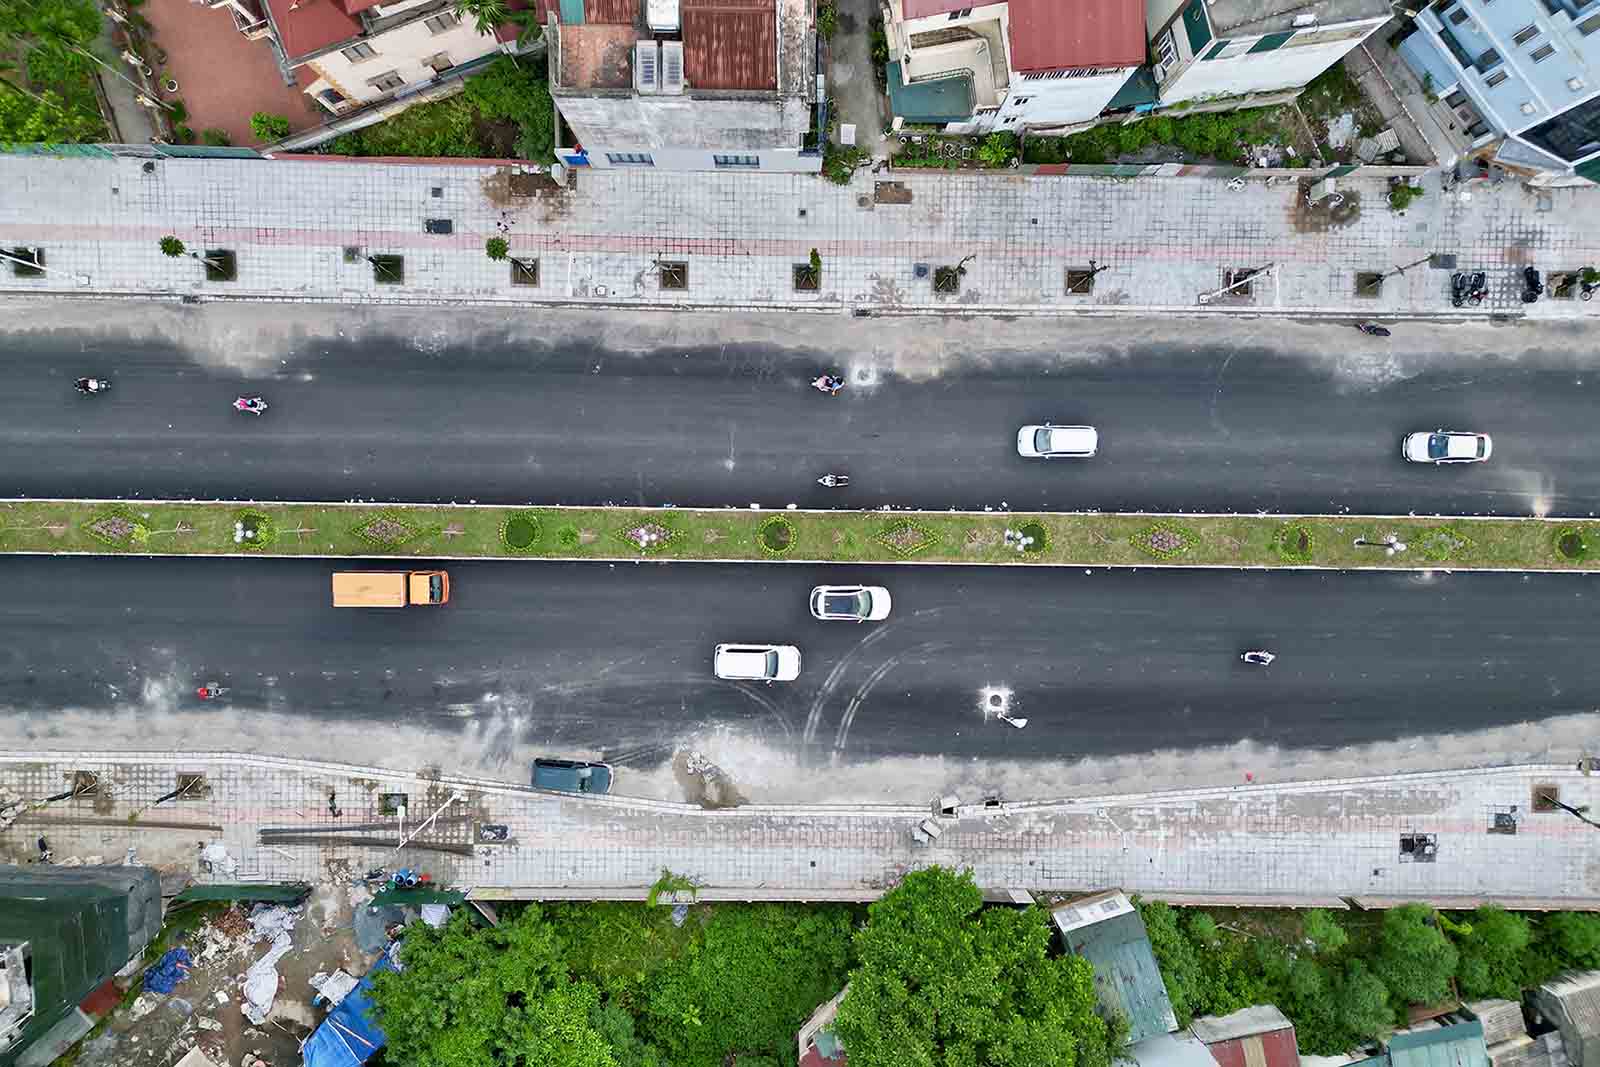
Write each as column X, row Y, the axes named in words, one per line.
column 1057, row 101
column 403, row 50
column 1238, row 71
column 684, row 132
column 773, row 160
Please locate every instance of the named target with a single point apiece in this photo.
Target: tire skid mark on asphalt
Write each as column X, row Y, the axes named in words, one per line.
column 814, row 715
column 873, row 679
column 766, row 703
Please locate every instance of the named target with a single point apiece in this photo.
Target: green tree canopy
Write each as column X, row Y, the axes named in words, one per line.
column 1361, row 1002
column 483, row 998
column 944, row 981
column 1414, row 958
column 1572, row 938
column 1492, row 955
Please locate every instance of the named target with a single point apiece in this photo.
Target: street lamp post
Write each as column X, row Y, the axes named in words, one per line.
column 1391, row 544
column 80, row 279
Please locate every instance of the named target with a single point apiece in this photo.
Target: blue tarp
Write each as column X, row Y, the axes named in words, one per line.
column 164, row 975
column 348, row 1036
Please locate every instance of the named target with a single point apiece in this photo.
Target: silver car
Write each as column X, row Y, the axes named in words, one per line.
column 1057, row 442
column 850, row 603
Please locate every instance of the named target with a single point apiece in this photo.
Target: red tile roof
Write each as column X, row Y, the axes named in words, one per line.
column 1062, row 34
column 921, row 9
column 730, row 44
column 307, row 26
column 354, row 7
column 611, row 12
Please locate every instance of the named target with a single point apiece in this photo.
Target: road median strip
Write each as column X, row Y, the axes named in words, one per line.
column 421, row 531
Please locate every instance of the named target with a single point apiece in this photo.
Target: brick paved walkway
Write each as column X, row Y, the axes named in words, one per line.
column 1302, row 843
column 303, row 227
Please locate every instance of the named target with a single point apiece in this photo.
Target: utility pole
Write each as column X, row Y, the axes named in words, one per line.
column 80, row 279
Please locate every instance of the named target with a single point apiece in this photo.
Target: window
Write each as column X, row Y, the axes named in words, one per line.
column 963, row 13
column 442, row 22
column 331, row 97
column 1495, row 79
column 359, row 51
column 1488, row 61
column 385, row 82
column 1018, row 101
column 1589, row 25
column 1526, row 34
column 630, row 159
column 1457, row 17
column 1542, row 53
column 440, row 63
column 736, row 161
column 1166, row 49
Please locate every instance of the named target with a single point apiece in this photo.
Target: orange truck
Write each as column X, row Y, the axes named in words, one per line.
column 389, row 589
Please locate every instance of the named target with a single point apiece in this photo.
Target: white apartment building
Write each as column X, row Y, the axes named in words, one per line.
column 1014, row 65
column 348, row 54
column 685, row 84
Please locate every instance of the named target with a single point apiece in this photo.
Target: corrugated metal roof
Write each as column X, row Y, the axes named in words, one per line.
column 1460, row 1045
column 611, row 12
column 1058, row 35
column 1259, row 1019
column 728, row 44
column 1501, row 1019
column 1126, row 978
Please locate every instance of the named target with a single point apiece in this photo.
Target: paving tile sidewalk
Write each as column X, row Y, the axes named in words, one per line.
column 1163, row 241
column 1302, row 843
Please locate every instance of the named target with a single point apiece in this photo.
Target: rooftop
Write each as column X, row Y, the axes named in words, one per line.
column 1247, row 1022
column 1057, row 35
column 1459, row 1045
column 1126, row 978
column 1242, row 17
column 309, row 26
column 597, row 57
column 730, row 44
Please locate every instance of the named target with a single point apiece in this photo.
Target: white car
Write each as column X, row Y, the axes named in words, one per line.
column 1057, row 442
column 850, row 603
column 1446, row 446
column 757, row 663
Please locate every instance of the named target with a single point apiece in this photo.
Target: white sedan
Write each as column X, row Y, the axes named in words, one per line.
column 850, row 603
column 1446, row 446
column 1057, row 442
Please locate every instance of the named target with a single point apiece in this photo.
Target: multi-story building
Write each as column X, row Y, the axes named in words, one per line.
column 1013, row 65
column 350, row 54
column 1248, row 53
column 1522, row 79
column 685, row 84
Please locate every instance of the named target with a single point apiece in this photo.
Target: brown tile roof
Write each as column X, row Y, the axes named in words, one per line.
column 921, row 9
column 730, row 44
column 1062, row 34
column 353, row 7
column 597, row 57
column 613, row 12
column 307, row 26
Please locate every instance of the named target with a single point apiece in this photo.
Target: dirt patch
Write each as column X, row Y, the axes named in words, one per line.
column 499, row 138
column 891, row 193
column 1330, row 213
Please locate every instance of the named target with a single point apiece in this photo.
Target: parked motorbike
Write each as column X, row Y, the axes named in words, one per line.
column 1260, row 657
column 93, row 386
column 1477, row 287
column 834, row 481
column 252, row 405
column 1532, row 285
column 828, row 383
column 1373, row 329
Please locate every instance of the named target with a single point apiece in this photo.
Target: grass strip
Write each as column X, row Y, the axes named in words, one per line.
column 426, row 531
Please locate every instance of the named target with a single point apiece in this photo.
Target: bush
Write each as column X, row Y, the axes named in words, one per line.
column 1164, row 540
column 1491, row 955
column 519, row 531
column 216, row 138
column 496, row 248
column 269, row 127
column 1570, row 544
column 1293, row 543
column 184, row 134
column 839, row 164
column 1414, row 959
column 171, row 246
column 827, row 20
column 442, row 128
column 516, row 91
column 567, row 536
column 1039, row 534
column 997, row 149
column 776, row 536
column 1401, row 194
column 250, row 522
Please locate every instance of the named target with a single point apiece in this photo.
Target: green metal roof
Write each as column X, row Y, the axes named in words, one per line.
column 1460, row 1045
column 1126, row 977
column 931, row 102
column 1139, row 89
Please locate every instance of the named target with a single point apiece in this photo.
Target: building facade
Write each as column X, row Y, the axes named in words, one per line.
column 351, row 54
column 1522, row 78
column 685, row 84
column 1017, row 65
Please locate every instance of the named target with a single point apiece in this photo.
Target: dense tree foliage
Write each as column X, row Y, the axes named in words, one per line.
column 944, row 981
column 46, row 87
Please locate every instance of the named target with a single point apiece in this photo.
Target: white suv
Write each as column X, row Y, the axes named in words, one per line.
column 1057, row 442
column 757, row 663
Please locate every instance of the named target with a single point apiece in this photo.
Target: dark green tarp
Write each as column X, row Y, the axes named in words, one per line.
column 293, row 893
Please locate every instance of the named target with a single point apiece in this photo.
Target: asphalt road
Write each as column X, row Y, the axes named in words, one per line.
column 562, row 657
column 1229, row 421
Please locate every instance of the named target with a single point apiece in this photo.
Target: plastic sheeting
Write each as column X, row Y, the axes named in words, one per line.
column 261, row 981
column 165, row 974
column 349, row 1035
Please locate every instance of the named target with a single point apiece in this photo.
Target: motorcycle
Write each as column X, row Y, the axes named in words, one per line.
column 828, row 383
column 93, row 386
column 834, row 481
column 1373, row 329
column 1532, row 285
column 252, row 405
column 1477, row 288
column 1259, row 657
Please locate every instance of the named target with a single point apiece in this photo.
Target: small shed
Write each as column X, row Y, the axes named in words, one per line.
column 818, row 1046
column 1259, row 1036
column 1571, row 1003
column 1457, row 1045
column 1106, row 930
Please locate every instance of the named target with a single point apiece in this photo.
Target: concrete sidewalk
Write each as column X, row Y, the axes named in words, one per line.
column 302, row 227
column 1301, row 844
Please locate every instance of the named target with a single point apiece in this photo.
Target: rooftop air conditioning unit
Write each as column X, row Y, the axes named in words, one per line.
column 1575, row 84
column 1527, row 107
column 646, row 67
column 1302, row 21
column 672, row 67
column 662, row 16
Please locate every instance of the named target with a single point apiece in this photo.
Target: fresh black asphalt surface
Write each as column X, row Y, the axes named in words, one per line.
column 618, row 657
column 1229, row 429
